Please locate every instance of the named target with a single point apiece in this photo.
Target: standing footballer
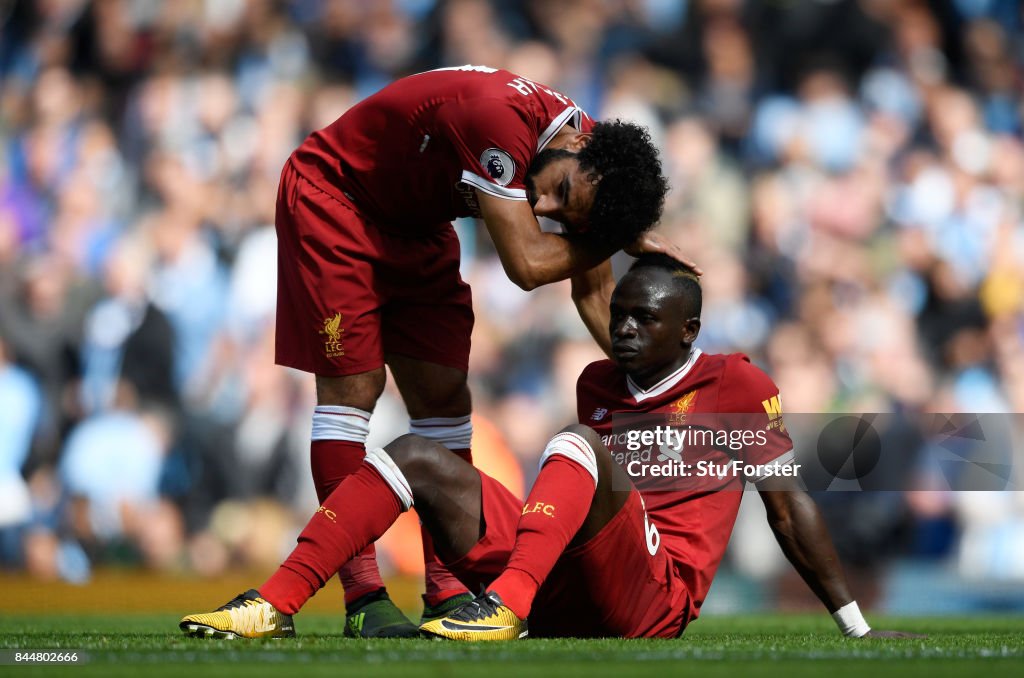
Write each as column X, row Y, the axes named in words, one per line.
column 368, row 260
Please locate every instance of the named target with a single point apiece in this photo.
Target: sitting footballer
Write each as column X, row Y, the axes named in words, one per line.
column 592, row 552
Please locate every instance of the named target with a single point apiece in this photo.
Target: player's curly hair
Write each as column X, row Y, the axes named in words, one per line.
column 631, row 191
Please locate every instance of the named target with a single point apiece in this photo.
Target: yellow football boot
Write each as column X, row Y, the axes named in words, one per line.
column 246, row 616
column 483, row 618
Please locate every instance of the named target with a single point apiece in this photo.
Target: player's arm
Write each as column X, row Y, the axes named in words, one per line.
column 592, row 294
column 531, row 257
column 801, row 532
column 804, row 538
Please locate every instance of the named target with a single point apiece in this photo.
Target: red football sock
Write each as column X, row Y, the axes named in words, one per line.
column 361, row 508
column 332, row 461
column 552, row 515
column 440, row 583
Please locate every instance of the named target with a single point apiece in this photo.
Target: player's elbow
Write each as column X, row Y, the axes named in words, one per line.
column 527, row 284
column 523, row 276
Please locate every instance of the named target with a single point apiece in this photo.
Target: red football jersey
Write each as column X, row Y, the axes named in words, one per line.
column 694, row 515
column 411, row 155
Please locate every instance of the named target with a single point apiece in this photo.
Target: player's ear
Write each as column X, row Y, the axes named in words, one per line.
column 578, row 142
column 691, row 328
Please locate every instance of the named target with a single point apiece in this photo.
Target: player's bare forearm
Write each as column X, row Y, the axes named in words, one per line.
column 592, row 293
column 804, row 538
column 801, row 532
column 530, row 257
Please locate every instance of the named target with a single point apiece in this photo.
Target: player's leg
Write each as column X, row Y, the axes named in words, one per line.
column 410, row 470
column 620, row 583
column 578, row 491
column 328, row 323
column 612, row 579
column 446, row 490
column 341, row 423
column 438, row 400
column 426, row 327
column 575, row 495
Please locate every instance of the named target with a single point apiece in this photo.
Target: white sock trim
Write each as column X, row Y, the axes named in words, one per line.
column 337, row 422
column 455, row 433
column 574, row 447
column 393, row 476
column 850, row 621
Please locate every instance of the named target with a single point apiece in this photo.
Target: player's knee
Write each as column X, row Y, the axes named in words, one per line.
column 602, row 456
column 420, row 460
column 443, row 397
column 355, row 390
column 452, row 387
column 585, row 432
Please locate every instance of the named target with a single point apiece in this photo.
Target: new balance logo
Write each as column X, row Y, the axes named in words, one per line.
column 599, row 414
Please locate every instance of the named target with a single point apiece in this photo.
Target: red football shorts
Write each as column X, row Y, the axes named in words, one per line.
column 611, row 586
column 349, row 293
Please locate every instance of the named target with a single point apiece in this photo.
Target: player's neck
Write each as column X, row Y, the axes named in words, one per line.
column 562, row 138
column 648, row 380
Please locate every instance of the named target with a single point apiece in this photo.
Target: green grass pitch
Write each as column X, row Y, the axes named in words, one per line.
column 761, row 645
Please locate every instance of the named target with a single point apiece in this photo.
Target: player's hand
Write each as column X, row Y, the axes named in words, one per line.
column 653, row 243
column 892, row 634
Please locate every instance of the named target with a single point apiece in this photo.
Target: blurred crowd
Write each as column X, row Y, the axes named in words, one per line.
column 848, row 173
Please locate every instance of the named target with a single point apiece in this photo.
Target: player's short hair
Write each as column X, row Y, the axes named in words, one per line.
column 686, row 278
column 631, row 191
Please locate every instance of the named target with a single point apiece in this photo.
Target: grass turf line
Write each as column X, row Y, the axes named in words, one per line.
column 806, row 645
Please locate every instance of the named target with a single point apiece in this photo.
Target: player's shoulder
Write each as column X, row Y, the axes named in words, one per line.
column 600, row 388
column 744, row 385
column 600, row 376
column 488, row 101
column 715, row 365
column 599, row 373
column 739, row 367
column 736, row 371
column 470, row 82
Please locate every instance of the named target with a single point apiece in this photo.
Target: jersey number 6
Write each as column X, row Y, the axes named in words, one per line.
column 653, row 538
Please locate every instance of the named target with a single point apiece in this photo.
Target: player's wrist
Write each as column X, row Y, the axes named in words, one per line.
column 850, row 620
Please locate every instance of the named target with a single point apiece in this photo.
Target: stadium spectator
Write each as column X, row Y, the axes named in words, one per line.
column 20, row 407
column 111, row 470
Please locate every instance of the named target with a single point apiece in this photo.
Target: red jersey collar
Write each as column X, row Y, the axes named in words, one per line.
column 666, row 384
